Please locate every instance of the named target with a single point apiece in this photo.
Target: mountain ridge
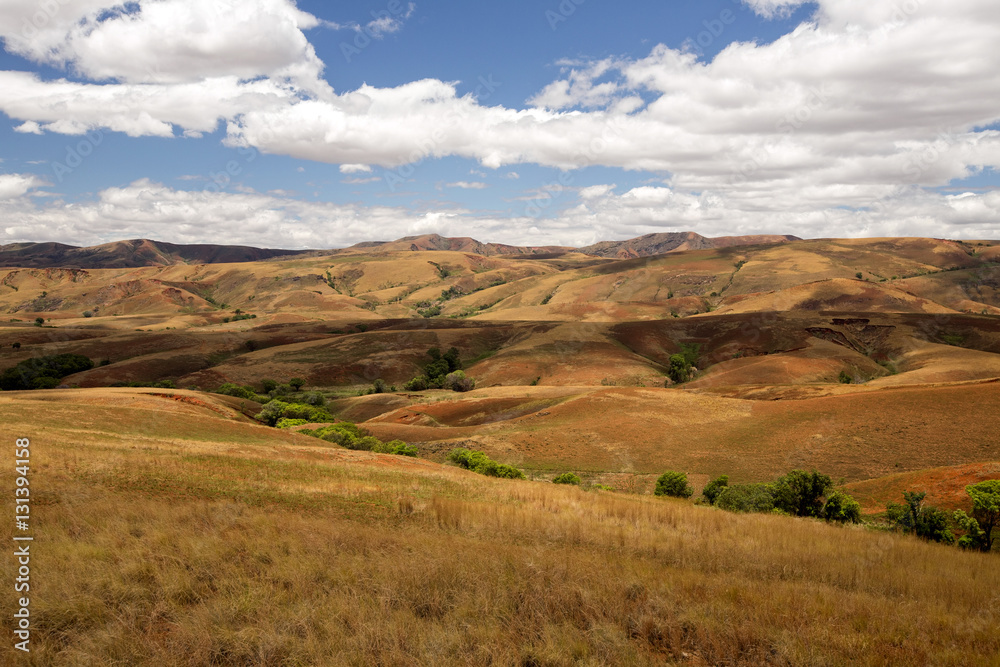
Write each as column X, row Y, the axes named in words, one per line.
column 138, row 253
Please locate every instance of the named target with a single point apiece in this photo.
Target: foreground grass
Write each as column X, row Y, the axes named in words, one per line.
column 156, row 556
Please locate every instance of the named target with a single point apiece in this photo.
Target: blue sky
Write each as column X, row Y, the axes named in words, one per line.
column 271, row 123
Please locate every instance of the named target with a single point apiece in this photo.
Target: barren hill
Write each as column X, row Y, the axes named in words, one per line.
column 129, row 254
column 659, row 244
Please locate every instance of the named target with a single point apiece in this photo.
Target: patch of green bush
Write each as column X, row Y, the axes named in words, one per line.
column 746, row 498
column 714, row 488
column 350, row 436
column 285, row 422
column 443, row 371
column 246, row 391
column 482, row 464
column 567, row 478
column 673, row 484
column 43, row 372
column 275, row 409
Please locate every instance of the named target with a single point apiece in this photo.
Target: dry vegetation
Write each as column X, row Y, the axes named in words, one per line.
column 210, row 546
column 177, row 530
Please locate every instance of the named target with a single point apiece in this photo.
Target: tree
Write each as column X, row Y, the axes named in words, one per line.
column 39, row 321
column 268, row 385
column 272, row 412
column 801, row 493
column 673, row 484
column 714, row 488
column 679, row 369
column 842, row 508
column 929, row 523
column 985, row 515
column 296, row 383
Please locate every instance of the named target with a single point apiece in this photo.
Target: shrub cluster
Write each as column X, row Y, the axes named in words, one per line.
column 350, row 436
column 567, row 478
column 936, row 525
column 482, row 464
column 275, row 410
column 245, row 391
column 682, row 365
column 799, row 493
column 43, row 372
column 443, row 372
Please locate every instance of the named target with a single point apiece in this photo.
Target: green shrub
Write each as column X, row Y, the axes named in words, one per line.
column 673, row 484
column 482, row 464
column 746, row 498
column 268, row 385
column 397, row 447
column 418, row 383
column 567, row 478
column 314, row 398
column 842, row 508
column 285, row 422
column 985, row 517
column 275, row 410
column 459, row 381
column 801, row 493
column 247, row 392
column 714, row 488
column 845, row 377
column 929, row 523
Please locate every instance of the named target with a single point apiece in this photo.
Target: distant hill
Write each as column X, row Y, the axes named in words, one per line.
column 659, row 244
column 458, row 244
column 642, row 246
column 130, row 254
column 138, row 253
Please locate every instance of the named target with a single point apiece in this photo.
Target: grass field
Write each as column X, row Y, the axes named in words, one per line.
column 220, row 542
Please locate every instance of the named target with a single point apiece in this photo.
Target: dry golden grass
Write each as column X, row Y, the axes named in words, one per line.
column 199, row 540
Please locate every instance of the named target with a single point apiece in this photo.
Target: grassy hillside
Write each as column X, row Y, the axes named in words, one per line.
column 176, row 532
